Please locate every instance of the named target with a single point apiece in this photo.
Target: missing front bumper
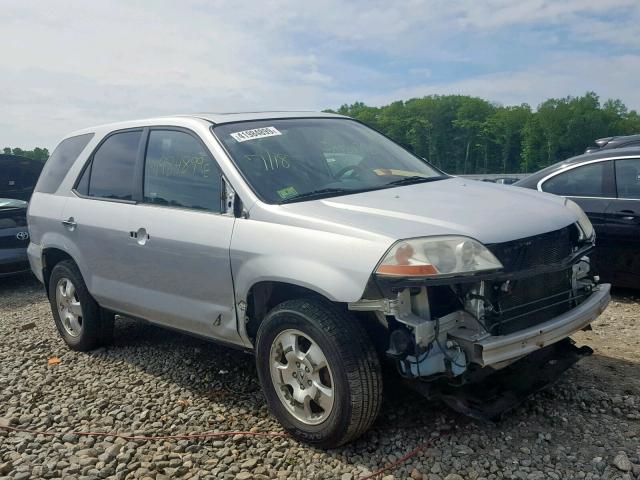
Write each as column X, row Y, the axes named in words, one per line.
column 489, row 396
column 494, row 350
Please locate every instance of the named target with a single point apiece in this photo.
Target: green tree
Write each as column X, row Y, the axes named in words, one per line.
column 463, row 134
column 37, row 153
column 505, row 128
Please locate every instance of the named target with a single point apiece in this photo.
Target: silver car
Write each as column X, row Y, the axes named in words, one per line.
column 324, row 248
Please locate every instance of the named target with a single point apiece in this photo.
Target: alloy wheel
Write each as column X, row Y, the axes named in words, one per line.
column 302, row 376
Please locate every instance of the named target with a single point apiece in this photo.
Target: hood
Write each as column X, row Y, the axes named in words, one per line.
column 7, row 203
column 484, row 211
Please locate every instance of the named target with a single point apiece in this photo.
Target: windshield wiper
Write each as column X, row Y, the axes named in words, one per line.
column 321, row 193
column 415, row 179
column 334, row 191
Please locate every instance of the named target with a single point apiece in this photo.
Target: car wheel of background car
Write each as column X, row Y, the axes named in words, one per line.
column 81, row 322
column 319, row 371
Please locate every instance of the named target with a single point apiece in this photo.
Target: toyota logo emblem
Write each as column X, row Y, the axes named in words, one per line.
column 22, row 235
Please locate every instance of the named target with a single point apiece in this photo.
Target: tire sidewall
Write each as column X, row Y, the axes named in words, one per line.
column 331, row 430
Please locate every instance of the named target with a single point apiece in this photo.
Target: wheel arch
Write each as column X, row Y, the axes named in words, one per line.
column 51, row 256
column 264, row 295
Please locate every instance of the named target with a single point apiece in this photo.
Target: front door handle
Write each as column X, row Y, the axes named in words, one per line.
column 628, row 217
column 140, row 235
column 70, row 223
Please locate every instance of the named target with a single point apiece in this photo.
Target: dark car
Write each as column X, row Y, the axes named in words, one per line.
column 506, row 180
column 608, row 143
column 14, row 237
column 18, row 177
column 606, row 184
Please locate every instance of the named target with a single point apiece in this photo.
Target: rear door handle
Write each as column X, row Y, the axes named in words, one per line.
column 70, row 223
column 140, row 235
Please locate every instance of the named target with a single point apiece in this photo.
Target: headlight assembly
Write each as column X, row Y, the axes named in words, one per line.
column 586, row 229
column 437, row 256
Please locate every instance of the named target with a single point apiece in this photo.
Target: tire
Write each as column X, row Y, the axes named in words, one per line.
column 83, row 328
column 352, row 372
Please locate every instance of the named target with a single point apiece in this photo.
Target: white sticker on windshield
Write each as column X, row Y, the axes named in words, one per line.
column 245, row 135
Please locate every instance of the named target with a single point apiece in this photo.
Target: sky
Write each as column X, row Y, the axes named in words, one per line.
column 66, row 65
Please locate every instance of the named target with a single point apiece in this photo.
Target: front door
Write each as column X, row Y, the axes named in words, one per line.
column 181, row 236
column 592, row 187
column 623, row 224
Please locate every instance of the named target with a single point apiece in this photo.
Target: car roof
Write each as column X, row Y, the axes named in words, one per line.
column 213, row 118
column 614, row 142
column 218, row 118
column 604, row 153
column 578, row 159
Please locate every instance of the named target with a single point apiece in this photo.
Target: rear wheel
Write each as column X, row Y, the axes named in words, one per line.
column 319, row 371
column 81, row 322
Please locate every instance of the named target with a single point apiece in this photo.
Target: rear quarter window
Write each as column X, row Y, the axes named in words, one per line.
column 65, row 154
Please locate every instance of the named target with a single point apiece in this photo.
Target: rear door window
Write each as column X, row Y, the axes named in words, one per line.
column 180, row 172
column 60, row 161
column 591, row 180
column 628, row 178
column 112, row 169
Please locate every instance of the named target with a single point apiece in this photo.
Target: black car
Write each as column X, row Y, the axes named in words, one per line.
column 506, row 180
column 14, row 236
column 18, row 176
column 606, row 184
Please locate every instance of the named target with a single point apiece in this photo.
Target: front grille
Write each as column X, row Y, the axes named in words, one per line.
column 544, row 249
column 523, row 303
column 10, row 219
column 528, row 301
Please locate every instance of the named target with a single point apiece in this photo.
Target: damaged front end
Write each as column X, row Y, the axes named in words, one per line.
column 448, row 332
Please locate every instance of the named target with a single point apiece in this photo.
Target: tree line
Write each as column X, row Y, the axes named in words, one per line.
column 463, row 134
column 37, row 153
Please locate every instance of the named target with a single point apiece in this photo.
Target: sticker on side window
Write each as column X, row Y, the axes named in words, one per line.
column 263, row 132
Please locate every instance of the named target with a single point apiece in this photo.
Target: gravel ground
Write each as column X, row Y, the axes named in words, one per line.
column 154, row 381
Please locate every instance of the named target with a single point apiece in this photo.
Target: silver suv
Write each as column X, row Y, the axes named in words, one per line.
column 322, row 247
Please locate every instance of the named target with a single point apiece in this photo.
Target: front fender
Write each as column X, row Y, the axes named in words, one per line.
column 336, row 285
column 334, row 265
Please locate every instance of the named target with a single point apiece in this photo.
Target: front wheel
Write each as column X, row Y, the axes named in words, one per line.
column 319, row 371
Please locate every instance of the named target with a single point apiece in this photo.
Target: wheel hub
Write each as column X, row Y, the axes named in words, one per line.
column 69, row 308
column 302, row 377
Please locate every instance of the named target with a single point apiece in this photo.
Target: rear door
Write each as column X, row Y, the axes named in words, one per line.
column 97, row 220
column 623, row 223
column 181, row 236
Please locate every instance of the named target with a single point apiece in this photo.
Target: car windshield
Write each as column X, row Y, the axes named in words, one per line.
column 301, row 159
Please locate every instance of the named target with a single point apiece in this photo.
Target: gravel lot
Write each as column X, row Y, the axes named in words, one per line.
column 154, row 381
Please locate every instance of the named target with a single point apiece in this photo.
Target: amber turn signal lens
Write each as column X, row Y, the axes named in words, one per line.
column 407, row 270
